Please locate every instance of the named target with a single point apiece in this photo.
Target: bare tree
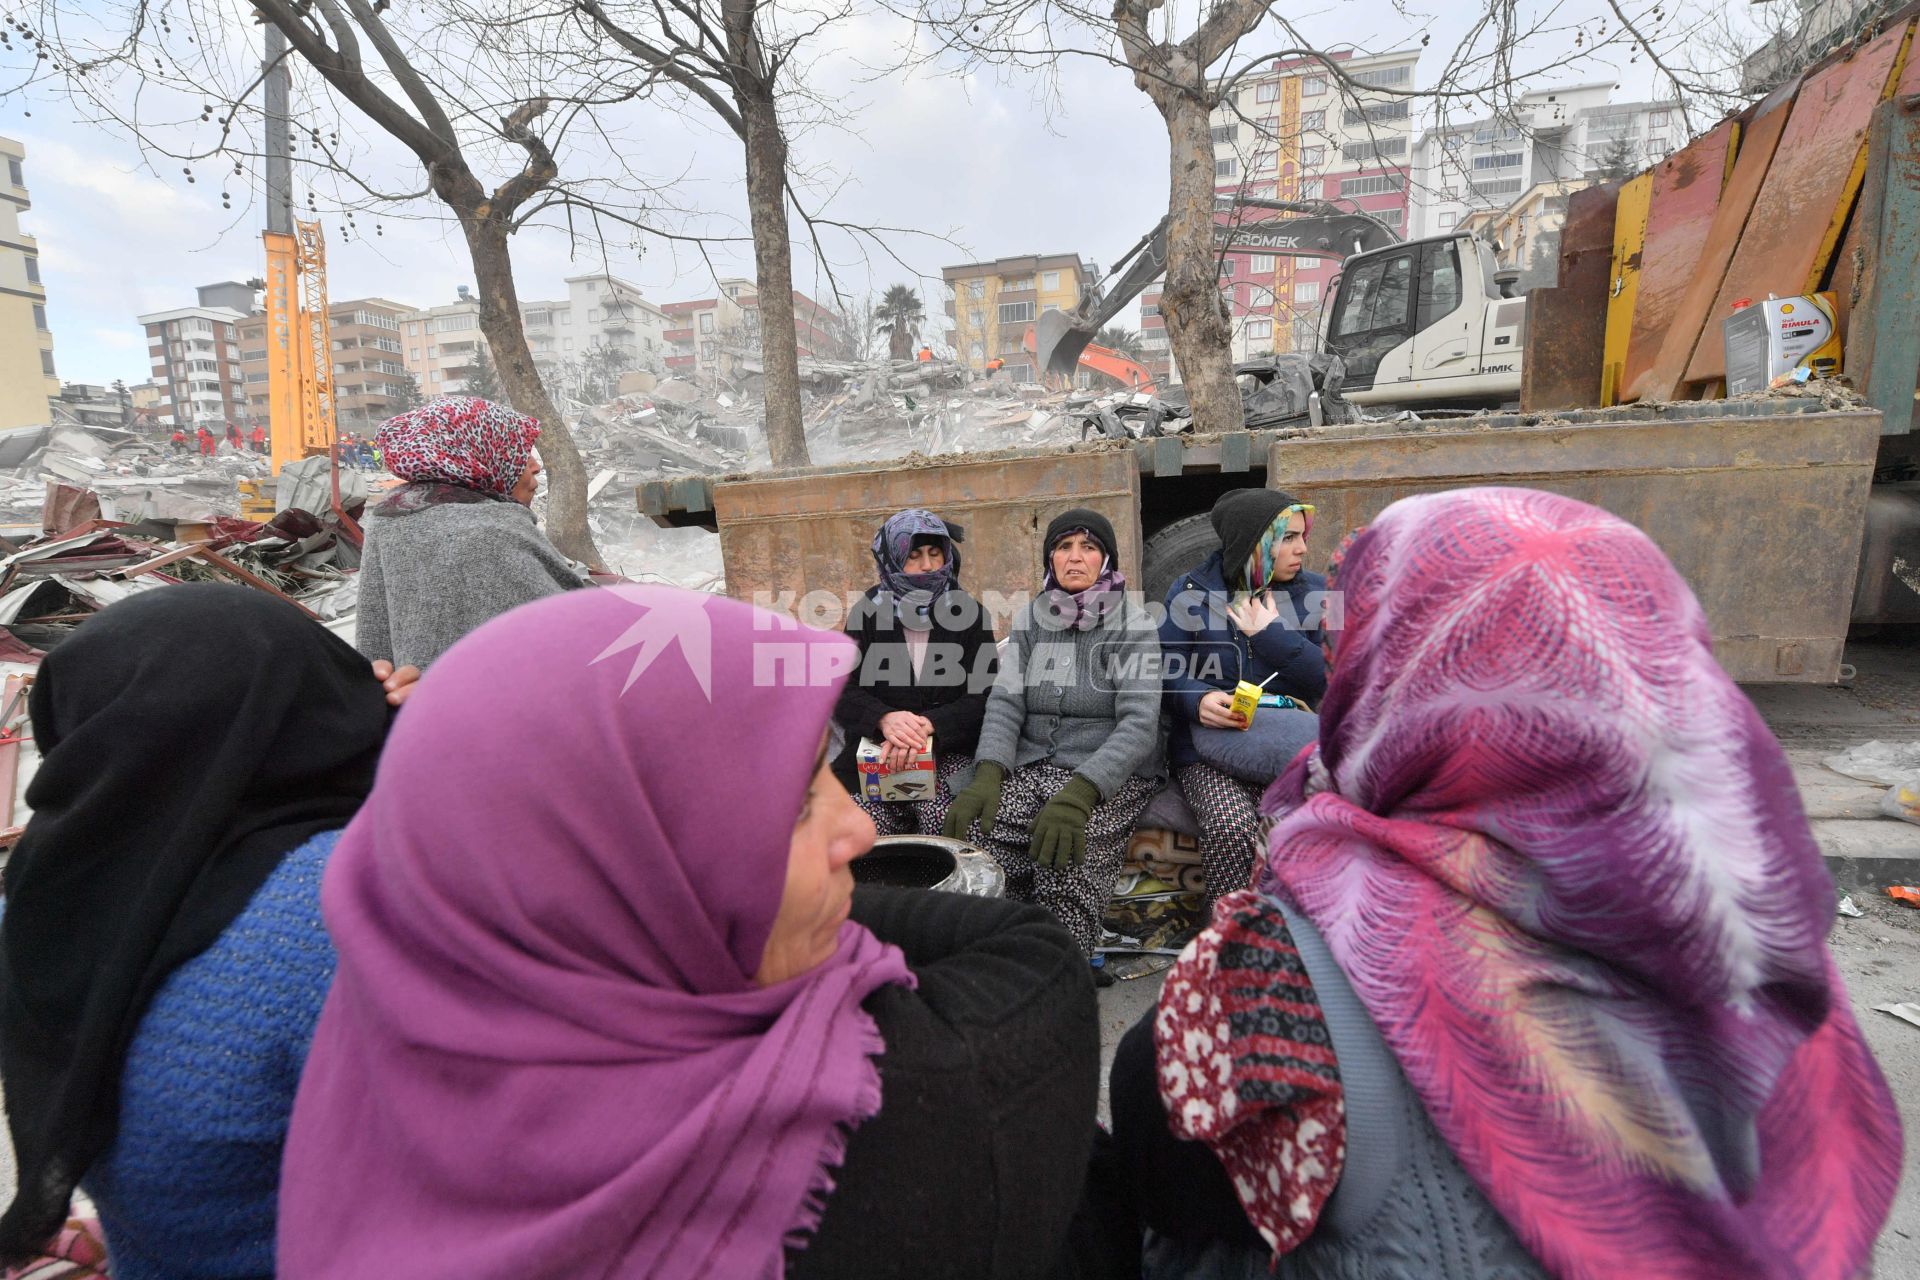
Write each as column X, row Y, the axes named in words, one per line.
column 730, row 55
column 1189, row 72
column 459, row 110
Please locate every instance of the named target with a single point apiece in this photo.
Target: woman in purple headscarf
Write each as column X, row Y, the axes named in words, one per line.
column 926, row 662
column 607, row 1003
column 1535, row 982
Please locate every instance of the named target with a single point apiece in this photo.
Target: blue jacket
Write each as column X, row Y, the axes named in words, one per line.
column 1203, row 652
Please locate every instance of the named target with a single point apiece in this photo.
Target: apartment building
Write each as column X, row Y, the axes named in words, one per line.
column 990, row 306
column 819, row 332
column 27, row 379
column 599, row 311
column 196, row 356
column 441, row 346
column 369, row 373
column 1560, row 137
column 697, row 330
column 1300, row 130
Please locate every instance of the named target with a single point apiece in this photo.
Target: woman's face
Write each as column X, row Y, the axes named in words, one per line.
column 927, row 558
column 832, row 831
column 1291, row 554
column 528, row 484
column 1077, row 561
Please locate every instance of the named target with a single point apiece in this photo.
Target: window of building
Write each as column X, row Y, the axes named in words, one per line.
column 33, row 269
column 1383, row 77
column 1016, row 312
column 1306, row 291
column 1305, row 264
column 976, row 350
column 706, row 322
column 976, row 288
column 566, row 344
column 1499, row 160
column 1610, row 126
column 1657, row 119
column 13, row 171
column 1312, row 157
column 1372, row 148
column 1499, row 187
column 1492, row 132
column 593, row 317
column 1313, row 86
column 1314, row 121
column 1392, row 217
column 1378, row 185
column 1225, row 133
column 39, row 317
column 976, row 317
column 1267, row 91
column 1265, row 161
column 593, row 286
column 436, row 375
column 1376, row 112
column 46, row 357
column 1258, row 329
column 1262, row 264
column 1016, row 283
column 1227, row 168
column 1050, row 280
column 1447, row 220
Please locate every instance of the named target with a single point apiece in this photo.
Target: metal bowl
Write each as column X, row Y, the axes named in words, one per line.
column 931, row 862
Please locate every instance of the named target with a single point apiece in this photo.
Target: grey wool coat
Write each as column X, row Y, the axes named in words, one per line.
column 430, row 576
column 1088, row 701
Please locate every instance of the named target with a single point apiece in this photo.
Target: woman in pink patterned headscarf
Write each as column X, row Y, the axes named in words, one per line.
column 1543, row 932
column 457, row 544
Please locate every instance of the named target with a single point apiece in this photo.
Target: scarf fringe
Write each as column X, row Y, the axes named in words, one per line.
column 833, row 1148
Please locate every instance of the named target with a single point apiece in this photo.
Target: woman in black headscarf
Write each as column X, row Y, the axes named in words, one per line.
column 162, row 958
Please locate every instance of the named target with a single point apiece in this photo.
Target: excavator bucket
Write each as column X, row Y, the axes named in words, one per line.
column 1059, row 337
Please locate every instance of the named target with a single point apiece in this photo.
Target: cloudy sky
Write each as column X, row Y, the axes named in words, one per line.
column 982, row 163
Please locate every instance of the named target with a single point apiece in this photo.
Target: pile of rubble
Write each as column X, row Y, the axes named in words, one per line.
column 136, row 476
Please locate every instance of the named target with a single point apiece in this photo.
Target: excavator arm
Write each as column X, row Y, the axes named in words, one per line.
column 1317, row 229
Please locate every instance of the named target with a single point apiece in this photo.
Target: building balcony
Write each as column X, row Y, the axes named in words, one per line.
column 679, row 335
column 682, row 362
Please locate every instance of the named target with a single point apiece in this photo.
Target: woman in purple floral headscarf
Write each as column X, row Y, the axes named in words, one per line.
column 1547, row 923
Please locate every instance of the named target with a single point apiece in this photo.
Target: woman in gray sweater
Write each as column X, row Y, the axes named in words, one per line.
column 1070, row 749
column 457, row 545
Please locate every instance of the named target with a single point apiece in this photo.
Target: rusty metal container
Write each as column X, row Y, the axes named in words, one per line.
column 1762, row 514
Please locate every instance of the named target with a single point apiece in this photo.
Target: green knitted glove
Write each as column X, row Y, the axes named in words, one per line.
column 1060, row 832
column 980, row 800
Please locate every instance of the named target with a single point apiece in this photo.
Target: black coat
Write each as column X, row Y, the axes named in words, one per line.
column 976, row 1165
column 885, row 681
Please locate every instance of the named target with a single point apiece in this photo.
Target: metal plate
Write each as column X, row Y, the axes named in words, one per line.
column 1758, row 138
column 1566, row 325
column 1629, row 239
column 1686, row 193
column 1810, row 186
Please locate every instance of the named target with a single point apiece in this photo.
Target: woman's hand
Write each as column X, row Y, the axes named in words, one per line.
column 1216, row 712
column 1254, row 614
column 397, row 681
column 906, row 730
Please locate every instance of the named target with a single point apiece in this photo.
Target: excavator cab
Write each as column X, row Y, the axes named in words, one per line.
column 1425, row 323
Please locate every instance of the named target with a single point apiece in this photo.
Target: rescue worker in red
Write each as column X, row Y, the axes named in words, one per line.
column 208, row 442
column 259, row 438
column 926, row 352
column 234, row 438
column 178, row 440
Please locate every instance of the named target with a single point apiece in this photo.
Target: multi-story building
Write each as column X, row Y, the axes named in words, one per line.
column 1561, row 137
column 369, row 373
column 1300, row 130
column 442, row 345
column 819, row 332
column 27, row 379
column 599, row 311
column 992, row 305
column 196, row 356
column 697, row 331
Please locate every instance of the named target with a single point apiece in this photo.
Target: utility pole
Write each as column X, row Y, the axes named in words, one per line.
column 279, row 84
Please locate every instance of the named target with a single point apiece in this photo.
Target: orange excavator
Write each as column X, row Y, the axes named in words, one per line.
column 1129, row 374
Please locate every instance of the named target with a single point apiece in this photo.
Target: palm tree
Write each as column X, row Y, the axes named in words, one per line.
column 899, row 316
column 1125, row 341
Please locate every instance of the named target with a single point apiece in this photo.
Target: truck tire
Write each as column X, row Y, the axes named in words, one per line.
column 1176, row 549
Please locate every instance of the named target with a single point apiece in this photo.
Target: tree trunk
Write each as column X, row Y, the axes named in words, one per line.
column 773, row 258
column 1196, row 315
column 513, row 362
column 899, row 342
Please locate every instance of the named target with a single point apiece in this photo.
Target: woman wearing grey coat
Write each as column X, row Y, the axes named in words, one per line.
column 1070, row 750
column 458, row 544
